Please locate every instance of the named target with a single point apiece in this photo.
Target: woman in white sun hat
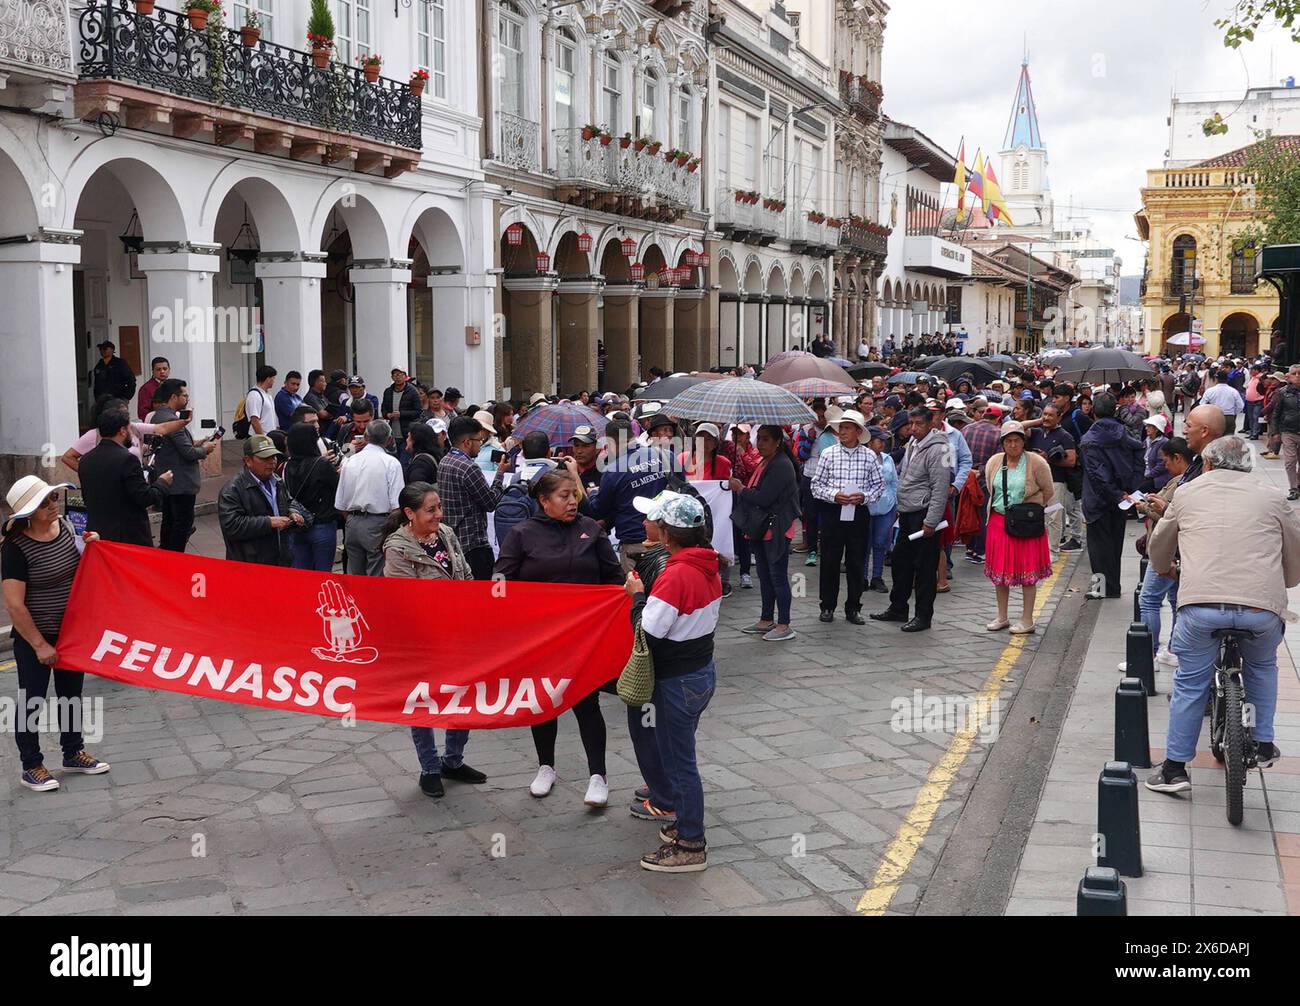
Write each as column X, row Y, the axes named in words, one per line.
column 38, row 561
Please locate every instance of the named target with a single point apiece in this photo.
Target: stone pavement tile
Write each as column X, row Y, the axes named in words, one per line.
column 91, row 848
column 1147, row 907
column 178, row 869
column 1039, row 906
column 73, row 904
column 57, row 867
column 215, row 791
column 301, row 893
column 1254, row 818
column 1077, row 811
column 1161, row 887
column 1220, row 910
column 860, row 828
column 9, row 906
column 822, row 873
column 1160, row 833
column 1164, row 859
column 1287, row 845
column 814, row 841
column 1067, row 859
column 1287, row 821
column 20, row 887
column 213, row 904
column 773, row 881
column 356, row 812
column 1266, row 896
column 1234, row 865
column 175, row 891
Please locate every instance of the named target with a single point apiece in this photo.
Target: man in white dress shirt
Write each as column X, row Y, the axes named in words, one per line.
column 370, row 483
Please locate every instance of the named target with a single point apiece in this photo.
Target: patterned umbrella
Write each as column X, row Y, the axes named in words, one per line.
column 737, row 400
column 905, row 377
column 789, row 354
column 816, row 387
column 558, row 422
column 668, row 388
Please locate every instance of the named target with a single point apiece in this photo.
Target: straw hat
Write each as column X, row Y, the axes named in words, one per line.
column 27, row 495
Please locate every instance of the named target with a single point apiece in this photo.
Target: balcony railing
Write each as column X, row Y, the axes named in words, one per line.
column 859, row 240
column 34, row 38
column 1244, row 285
column 1176, row 289
column 585, row 161
column 861, row 100
column 519, row 146
column 737, row 216
column 161, row 51
column 613, row 167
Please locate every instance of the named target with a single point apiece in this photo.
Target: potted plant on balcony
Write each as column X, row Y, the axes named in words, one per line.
column 834, row 223
column 654, row 146
column 641, row 143
column 418, row 79
column 144, row 7
column 589, row 132
column 198, row 12
column 371, row 64
column 683, row 156
column 606, row 137
column 693, row 165
column 320, row 33
column 251, row 30
column 625, row 141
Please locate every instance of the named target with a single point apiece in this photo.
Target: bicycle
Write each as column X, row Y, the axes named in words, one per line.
column 1231, row 741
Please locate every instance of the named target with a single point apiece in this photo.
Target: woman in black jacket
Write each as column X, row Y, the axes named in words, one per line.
column 769, row 507
column 312, row 482
column 560, row 546
column 422, row 446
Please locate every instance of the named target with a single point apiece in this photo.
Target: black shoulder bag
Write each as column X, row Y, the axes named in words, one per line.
column 1023, row 520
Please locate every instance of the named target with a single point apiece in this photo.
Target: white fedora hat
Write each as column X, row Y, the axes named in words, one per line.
column 28, row 493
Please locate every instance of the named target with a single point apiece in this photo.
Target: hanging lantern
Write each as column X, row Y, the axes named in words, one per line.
column 628, row 246
column 610, row 19
column 683, row 275
column 691, row 258
column 593, row 23
column 643, row 35
column 667, row 275
column 702, row 77
column 515, row 234
column 543, row 262
column 584, row 242
column 638, row 272
column 671, row 63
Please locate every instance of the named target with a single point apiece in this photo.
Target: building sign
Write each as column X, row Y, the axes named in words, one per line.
column 937, row 256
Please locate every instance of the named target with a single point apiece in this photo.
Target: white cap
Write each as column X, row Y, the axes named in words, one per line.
column 710, row 429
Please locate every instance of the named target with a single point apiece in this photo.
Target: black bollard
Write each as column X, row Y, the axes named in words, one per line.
column 1132, row 739
column 1101, row 892
column 1117, row 819
column 1143, row 564
column 1137, row 603
column 1139, row 657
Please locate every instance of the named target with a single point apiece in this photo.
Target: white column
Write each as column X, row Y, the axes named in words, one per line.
column 38, row 414
column 381, row 335
column 180, row 313
column 460, row 301
column 291, row 314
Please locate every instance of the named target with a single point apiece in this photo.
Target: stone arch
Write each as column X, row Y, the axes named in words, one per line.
column 798, row 286
column 360, row 217
column 574, row 226
column 438, row 235
column 162, row 217
column 777, row 272
column 1239, row 334
column 278, row 225
column 19, row 213
column 753, row 276
column 728, row 274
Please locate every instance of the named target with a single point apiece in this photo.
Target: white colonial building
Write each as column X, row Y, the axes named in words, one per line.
column 223, row 201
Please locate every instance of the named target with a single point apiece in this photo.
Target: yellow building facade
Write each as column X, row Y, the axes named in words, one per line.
column 1199, row 277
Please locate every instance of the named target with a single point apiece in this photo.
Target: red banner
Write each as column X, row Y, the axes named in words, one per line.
column 459, row 654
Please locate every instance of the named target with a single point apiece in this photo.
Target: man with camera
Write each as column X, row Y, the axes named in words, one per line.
column 180, row 455
column 1051, row 441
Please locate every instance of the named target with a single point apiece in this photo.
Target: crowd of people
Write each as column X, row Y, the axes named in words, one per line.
column 1017, row 469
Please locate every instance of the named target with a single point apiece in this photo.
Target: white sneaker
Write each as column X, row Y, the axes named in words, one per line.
column 544, row 783
column 746, row 582
column 1123, row 667
column 1166, row 657
column 597, row 792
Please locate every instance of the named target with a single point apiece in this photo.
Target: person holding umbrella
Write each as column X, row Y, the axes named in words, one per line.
column 766, row 511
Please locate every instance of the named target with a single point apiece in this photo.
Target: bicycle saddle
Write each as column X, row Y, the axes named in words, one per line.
column 1234, row 634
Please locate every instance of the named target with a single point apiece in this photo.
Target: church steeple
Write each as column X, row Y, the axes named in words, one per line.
column 1022, row 129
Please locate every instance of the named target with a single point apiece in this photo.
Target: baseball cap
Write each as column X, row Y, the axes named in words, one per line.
column 260, row 446
column 994, row 410
column 876, row 433
column 452, row 395
column 741, row 428
column 1026, row 395
column 893, row 401
column 955, row 405
column 673, row 509
column 584, row 435
column 108, row 343
column 355, row 380
column 1010, row 428
column 710, row 429
column 438, row 425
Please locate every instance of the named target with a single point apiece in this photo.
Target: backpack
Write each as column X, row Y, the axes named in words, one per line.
column 516, row 506
column 1191, row 384
column 242, row 425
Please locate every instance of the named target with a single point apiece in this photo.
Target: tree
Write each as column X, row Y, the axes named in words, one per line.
column 320, row 22
column 1274, row 164
column 1248, row 15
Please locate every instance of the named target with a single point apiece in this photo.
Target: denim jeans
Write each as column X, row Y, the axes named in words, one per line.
column 426, row 748
column 1155, row 588
column 878, row 544
column 315, row 547
column 645, row 746
column 772, row 563
column 1197, row 650
column 679, row 702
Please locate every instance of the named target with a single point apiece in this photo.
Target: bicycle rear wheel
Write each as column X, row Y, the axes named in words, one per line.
column 1234, row 747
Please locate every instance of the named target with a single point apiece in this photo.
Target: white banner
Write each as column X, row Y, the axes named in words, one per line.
column 718, row 497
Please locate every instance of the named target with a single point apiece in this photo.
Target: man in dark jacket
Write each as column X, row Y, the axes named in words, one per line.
column 112, row 375
column 1112, row 468
column 180, row 455
column 401, row 403
column 114, row 488
column 254, row 508
column 1285, row 422
column 632, row 471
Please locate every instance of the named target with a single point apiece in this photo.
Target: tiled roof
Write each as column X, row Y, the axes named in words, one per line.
column 1237, row 158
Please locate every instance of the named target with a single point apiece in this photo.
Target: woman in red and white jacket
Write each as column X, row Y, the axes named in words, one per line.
column 679, row 618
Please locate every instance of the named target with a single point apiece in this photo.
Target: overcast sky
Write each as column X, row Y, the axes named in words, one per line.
column 1102, row 72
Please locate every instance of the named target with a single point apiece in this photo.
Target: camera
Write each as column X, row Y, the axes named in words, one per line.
column 1056, row 455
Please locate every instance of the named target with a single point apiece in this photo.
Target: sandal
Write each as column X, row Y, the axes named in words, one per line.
column 944, row 589
column 1021, row 629
column 997, row 625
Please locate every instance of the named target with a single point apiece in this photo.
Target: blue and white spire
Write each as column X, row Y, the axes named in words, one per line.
column 1022, row 129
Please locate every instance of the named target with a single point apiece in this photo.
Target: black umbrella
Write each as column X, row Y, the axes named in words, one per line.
column 1000, row 360
column 668, row 388
column 1104, row 365
column 863, row 371
column 954, row 368
column 925, row 361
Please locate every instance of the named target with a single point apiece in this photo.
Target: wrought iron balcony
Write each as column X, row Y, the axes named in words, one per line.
column 585, row 162
column 861, row 99
column 859, row 240
column 1176, row 289
column 162, row 52
column 650, row 181
column 34, row 39
column 519, row 143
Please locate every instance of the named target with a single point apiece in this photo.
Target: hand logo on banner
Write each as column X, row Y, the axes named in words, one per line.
column 343, row 624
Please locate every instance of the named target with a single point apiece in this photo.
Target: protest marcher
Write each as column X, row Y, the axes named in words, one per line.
column 765, row 511
column 113, row 486
column 418, row 546
column 653, row 800
column 679, row 618
column 467, row 498
column 1112, row 467
column 561, row 546
column 425, row 453
column 38, row 562
column 631, row 470
column 180, row 455
column 744, row 458
column 809, row 444
column 1154, row 475
column 313, row 483
column 924, row 479
column 255, row 511
column 370, row 482
column 848, row 479
column 884, row 514
column 1014, row 477
column 982, row 438
column 1054, row 444
column 287, row 399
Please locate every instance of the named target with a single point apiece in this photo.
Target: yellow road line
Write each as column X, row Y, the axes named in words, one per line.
column 916, row 826
column 8, row 665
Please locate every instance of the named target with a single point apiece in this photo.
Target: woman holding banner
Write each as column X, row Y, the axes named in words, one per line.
column 38, row 562
column 560, row 546
column 419, row 546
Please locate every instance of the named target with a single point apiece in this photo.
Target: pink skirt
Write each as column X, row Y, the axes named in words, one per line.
column 1014, row 562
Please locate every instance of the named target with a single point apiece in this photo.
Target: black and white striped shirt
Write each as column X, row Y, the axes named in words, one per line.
column 48, row 568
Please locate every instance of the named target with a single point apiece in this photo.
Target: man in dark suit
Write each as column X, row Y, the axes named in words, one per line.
column 113, row 486
column 180, row 455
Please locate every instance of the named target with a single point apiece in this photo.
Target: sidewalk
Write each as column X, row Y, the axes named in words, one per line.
column 1195, row 863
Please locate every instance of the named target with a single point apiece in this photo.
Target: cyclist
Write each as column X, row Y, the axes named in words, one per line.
column 1219, row 591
